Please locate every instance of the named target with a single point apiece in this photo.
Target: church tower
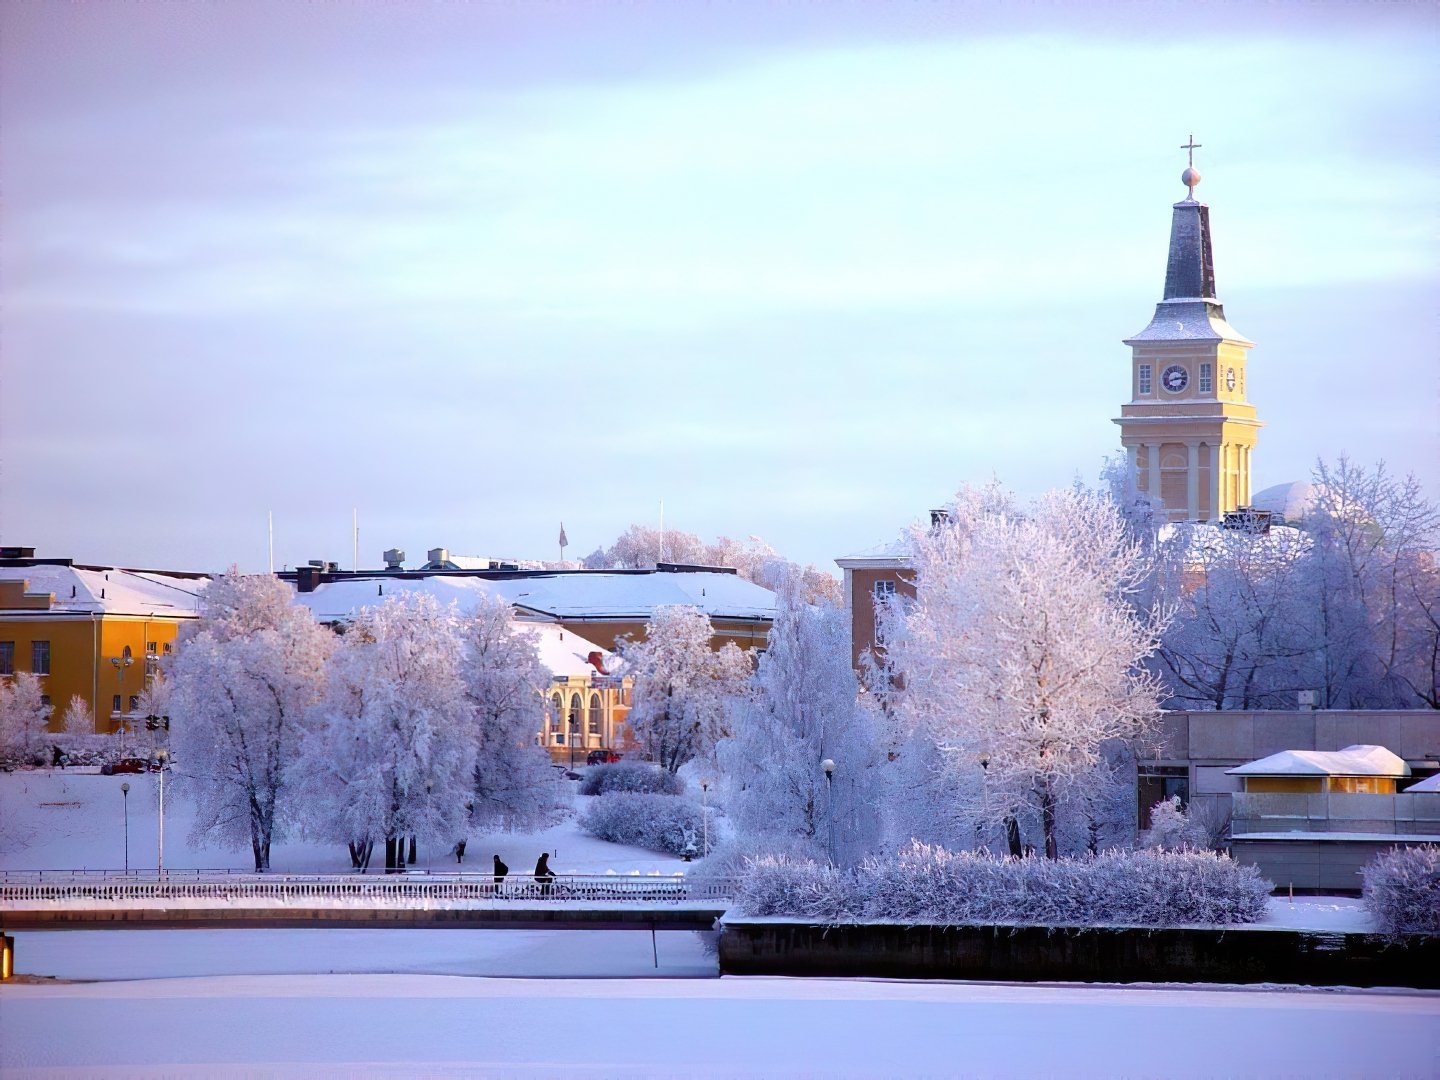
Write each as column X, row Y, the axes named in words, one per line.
column 1188, row 430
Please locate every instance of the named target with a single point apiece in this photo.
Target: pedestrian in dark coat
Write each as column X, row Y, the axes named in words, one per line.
column 543, row 874
column 459, row 851
column 500, row 871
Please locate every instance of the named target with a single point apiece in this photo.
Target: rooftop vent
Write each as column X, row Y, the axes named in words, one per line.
column 939, row 518
column 394, row 559
column 438, row 555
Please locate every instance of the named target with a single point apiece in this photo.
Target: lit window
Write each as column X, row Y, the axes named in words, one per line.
column 1206, row 382
column 40, row 657
column 7, row 658
column 1144, row 378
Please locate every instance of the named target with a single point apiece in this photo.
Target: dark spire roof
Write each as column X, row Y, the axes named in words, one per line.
column 1190, row 272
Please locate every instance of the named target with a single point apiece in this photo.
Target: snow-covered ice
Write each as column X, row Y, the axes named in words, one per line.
column 409, row 1025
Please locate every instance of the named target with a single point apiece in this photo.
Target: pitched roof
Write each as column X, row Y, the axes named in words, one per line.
column 1431, row 783
column 108, row 590
column 1358, row 760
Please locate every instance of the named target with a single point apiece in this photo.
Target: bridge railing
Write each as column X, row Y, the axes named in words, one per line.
column 400, row 888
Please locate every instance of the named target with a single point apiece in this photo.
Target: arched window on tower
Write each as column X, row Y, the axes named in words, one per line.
column 594, row 714
column 557, row 707
column 575, row 708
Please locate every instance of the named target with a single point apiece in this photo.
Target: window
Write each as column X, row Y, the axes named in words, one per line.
column 1207, row 383
column 884, row 590
column 575, row 708
column 40, row 657
column 556, row 708
column 115, row 704
column 45, row 701
column 7, row 658
column 1144, row 378
column 150, row 649
column 134, row 703
column 594, row 714
column 167, row 648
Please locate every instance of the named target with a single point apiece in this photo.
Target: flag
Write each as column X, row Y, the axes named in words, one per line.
column 564, row 542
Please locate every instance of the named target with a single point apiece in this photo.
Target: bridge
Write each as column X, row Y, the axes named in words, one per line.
column 176, row 899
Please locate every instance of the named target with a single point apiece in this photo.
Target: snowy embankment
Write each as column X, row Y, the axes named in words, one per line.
column 68, row 820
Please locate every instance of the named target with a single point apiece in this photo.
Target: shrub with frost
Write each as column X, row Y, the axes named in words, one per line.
column 658, row 822
column 636, row 777
column 926, row 884
column 1172, row 829
column 1402, row 890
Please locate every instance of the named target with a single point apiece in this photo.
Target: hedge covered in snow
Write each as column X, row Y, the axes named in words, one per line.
column 1402, row 890
column 928, row 884
column 658, row 822
column 631, row 776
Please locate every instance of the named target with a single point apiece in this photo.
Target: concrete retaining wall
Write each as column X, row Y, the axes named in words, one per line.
column 1035, row 954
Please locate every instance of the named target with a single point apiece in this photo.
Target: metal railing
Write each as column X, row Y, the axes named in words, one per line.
column 87, row 887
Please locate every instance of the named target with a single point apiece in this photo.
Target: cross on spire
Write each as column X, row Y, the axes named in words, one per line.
column 1192, row 146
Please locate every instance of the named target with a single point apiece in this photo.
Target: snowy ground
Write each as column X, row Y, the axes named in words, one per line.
column 410, row 1025
column 70, row 820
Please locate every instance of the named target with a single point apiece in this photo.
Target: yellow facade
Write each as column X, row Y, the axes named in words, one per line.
column 73, row 651
column 1314, row 785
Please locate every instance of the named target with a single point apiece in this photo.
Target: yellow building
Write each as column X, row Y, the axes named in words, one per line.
column 1188, row 429
column 93, row 631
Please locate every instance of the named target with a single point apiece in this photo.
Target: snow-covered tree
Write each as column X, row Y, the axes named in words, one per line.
column 801, row 708
column 513, row 785
column 682, row 685
column 24, row 717
column 77, row 722
column 1235, row 639
column 242, row 683
column 1171, row 828
column 1021, row 655
column 392, row 753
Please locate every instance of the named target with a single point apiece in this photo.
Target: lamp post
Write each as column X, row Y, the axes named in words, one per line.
column 125, row 796
column 828, row 766
column 164, row 756
column 429, row 814
column 705, row 816
column 120, row 663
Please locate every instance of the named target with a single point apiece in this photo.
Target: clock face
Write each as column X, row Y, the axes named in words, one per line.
column 1175, row 378
column 1230, row 378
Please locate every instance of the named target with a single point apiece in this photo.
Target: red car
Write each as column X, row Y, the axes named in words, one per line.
column 602, row 757
column 126, row 765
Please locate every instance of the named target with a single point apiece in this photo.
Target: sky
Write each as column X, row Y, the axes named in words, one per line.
column 796, row 270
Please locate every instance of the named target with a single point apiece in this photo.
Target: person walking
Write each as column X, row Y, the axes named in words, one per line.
column 459, row 851
column 543, row 874
column 500, row 871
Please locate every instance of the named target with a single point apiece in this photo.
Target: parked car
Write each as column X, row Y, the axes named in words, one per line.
column 602, row 757
column 125, row 765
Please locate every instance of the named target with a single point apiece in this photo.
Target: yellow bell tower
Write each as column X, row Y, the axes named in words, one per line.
column 1188, row 431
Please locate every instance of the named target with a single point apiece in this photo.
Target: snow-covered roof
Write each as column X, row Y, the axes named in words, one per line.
column 1290, row 502
column 592, row 595
column 901, row 549
column 565, row 652
column 1430, row 783
column 1189, row 320
column 1358, row 760
column 107, row 590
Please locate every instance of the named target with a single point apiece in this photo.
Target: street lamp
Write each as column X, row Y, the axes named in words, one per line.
column 125, row 795
column 705, row 815
column 429, row 852
column 164, row 757
column 828, row 766
column 120, row 663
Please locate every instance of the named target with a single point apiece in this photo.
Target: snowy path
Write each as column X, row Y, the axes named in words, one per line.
column 407, row 1025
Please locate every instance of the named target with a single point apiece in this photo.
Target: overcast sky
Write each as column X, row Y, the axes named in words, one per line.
column 799, row 270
